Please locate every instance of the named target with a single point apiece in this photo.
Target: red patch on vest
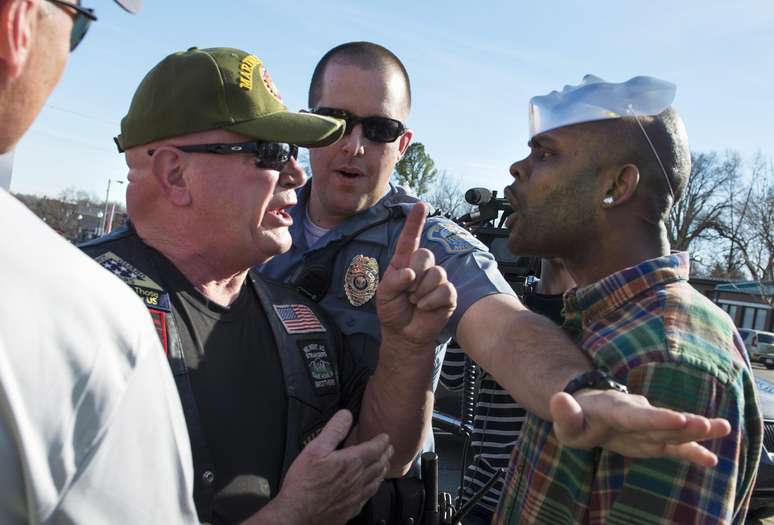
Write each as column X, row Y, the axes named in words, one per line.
column 160, row 323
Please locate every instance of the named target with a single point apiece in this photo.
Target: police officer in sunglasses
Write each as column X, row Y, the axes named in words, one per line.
column 262, row 373
column 344, row 231
column 91, row 427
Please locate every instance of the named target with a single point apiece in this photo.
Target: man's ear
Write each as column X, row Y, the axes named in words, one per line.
column 16, row 20
column 404, row 141
column 167, row 169
column 622, row 185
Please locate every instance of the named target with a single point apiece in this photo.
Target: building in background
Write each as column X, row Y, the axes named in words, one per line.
column 77, row 218
column 749, row 303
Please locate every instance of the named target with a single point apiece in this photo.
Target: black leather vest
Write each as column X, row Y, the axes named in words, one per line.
column 309, row 352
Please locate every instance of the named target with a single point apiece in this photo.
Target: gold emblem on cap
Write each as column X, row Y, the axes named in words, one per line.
column 361, row 280
column 269, row 83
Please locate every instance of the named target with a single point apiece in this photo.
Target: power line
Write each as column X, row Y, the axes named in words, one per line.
column 111, row 123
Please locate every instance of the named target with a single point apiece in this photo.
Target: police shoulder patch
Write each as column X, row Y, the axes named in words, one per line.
column 453, row 238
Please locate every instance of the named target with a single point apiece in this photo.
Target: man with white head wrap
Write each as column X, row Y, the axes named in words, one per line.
column 607, row 163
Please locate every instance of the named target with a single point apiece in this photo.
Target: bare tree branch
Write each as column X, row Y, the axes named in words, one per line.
column 700, row 211
column 448, row 196
column 752, row 233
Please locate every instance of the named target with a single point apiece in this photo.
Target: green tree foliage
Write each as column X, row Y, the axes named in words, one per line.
column 416, row 169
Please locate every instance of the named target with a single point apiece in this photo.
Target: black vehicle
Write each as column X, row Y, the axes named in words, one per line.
column 762, row 503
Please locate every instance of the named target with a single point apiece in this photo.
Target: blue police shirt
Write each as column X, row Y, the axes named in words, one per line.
column 468, row 264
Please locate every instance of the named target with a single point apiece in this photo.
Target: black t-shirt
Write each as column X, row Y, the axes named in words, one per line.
column 237, row 380
column 550, row 306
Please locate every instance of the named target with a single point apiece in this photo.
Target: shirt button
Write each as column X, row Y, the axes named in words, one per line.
column 208, row 477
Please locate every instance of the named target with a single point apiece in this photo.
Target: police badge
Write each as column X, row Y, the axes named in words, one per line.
column 361, row 280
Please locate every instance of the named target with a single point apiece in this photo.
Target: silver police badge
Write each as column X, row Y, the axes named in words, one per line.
column 361, row 280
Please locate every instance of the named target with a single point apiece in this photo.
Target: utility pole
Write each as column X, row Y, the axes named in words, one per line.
column 6, row 170
column 107, row 198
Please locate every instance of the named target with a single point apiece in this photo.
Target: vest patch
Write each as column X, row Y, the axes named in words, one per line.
column 298, row 319
column 453, row 238
column 160, row 323
column 148, row 290
column 319, row 366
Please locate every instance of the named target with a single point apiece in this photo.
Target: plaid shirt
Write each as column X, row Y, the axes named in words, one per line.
column 649, row 329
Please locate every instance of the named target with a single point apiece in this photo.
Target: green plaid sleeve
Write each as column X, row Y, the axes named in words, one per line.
column 658, row 491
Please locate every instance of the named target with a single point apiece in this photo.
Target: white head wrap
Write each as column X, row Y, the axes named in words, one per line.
column 594, row 99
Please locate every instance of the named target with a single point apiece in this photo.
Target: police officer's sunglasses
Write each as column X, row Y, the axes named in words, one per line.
column 269, row 155
column 83, row 19
column 377, row 129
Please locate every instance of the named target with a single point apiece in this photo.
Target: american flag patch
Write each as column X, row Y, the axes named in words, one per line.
column 298, row 319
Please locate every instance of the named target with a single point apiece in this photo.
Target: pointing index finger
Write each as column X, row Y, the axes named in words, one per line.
column 408, row 242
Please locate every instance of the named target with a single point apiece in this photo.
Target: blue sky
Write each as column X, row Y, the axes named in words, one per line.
column 473, row 67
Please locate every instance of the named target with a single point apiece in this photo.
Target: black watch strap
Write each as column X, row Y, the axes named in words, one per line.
column 596, row 379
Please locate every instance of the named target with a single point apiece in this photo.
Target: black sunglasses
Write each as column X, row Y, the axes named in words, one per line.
column 269, row 155
column 377, row 129
column 83, row 19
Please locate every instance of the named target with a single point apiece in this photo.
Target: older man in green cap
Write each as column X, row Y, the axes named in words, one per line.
column 262, row 373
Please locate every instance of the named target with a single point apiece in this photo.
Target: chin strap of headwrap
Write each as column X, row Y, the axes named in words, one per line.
column 633, row 112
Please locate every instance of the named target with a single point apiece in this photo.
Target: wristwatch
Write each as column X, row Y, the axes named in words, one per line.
column 596, row 379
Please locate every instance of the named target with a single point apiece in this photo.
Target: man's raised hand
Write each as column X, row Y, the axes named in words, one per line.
column 414, row 299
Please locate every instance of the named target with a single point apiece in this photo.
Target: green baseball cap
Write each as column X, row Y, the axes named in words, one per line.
column 218, row 88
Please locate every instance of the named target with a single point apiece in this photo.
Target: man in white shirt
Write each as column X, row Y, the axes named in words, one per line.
column 91, row 428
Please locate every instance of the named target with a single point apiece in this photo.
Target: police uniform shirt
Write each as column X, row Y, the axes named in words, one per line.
column 468, row 263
